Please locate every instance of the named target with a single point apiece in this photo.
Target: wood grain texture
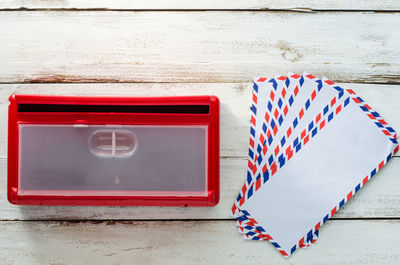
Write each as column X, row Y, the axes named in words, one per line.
column 66, row 46
column 235, row 102
column 341, row 242
column 379, row 198
column 375, row 200
column 206, row 4
column 215, row 52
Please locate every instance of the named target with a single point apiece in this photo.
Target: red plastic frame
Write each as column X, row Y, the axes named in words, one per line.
column 211, row 120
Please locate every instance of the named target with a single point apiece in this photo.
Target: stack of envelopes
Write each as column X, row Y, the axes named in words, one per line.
column 313, row 145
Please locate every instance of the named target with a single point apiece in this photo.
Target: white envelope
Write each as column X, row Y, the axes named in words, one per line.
column 321, row 176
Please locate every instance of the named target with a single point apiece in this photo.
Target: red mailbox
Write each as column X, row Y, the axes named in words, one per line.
column 158, row 151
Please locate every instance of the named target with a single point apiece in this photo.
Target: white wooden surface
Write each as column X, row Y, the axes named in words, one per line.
column 135, row 49
column 223, row 46
column 200, row 242
column 380, row 199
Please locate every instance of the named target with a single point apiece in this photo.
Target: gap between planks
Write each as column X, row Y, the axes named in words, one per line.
column 127, row 221
column 84, row 81
column 302, row 10
column 204, row 5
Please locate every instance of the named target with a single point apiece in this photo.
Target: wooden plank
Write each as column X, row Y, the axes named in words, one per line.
column 67, row 46
column 379, row 198
column 382, row 201
column 235, row 102
column 206, row 5
column 341, row 242
column 376, row 200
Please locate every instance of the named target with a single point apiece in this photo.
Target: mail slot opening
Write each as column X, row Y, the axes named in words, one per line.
column 172, row 109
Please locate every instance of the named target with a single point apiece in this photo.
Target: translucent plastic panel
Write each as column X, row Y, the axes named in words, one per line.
column 113, row 160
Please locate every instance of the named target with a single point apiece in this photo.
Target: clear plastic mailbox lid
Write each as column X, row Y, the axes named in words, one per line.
column 112, row 160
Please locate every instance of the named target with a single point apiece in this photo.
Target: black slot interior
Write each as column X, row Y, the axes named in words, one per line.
column 188, row 109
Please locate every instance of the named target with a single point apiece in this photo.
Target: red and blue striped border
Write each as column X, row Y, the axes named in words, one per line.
column 320, row 122
column 388, row 131
column 267, row 172
column 252, row 168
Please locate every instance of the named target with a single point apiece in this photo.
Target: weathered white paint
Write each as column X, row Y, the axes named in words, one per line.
column 341, row 242
column 235, row 101
column 204, row 47
column 207, row 4
column 379, row 198
column 93, row 46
